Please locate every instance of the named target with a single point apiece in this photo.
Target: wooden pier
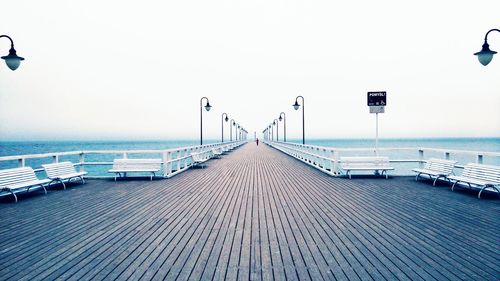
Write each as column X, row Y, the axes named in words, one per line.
column 254, row 214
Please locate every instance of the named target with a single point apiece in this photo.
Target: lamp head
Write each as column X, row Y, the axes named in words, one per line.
column 274, row 122
column 226, row 119
column 485, row 55
column 296, row 105
column 12, row 60
column 281, row 118
column 208, row 106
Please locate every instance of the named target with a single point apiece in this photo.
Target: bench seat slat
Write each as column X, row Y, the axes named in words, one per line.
column 126, row 165
column 20, row 179
column 479, row 176
column 439, row 168
column 365, row 164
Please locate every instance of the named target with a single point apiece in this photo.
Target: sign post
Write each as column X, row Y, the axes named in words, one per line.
column 377, row 102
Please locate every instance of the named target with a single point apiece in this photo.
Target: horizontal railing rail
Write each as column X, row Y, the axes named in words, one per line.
column 174, row 160
column 327, row 159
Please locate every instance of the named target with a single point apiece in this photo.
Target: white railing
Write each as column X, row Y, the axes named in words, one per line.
column 327, row 159
column 175, row 160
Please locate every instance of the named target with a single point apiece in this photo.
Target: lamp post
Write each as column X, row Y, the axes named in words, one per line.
column 238, row 137
column 486, row 55
column 272, row 131
column 296, row 106
column 224, row 119
column 275, row 122
column 12, row 59
column 207, row 108
column 284, row 124
column 231, row 124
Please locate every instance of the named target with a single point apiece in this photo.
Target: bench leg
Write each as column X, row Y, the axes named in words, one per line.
column 434, row 183
column 453, row 186
column 486, row 186
column 416, row 177
column 13, row 194
column 41, row 185
column 83, row 181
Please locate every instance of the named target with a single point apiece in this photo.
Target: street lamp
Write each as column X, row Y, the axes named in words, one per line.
column 272, row 131
column 224, row 119
column 486, row 55
column 284, row 124
column 12, row 59
column 207, row 108
column 231, row 124
column 296, row 106
column 275, row 122
column 238, row 132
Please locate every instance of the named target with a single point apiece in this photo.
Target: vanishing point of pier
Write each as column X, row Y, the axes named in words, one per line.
column 254, row 214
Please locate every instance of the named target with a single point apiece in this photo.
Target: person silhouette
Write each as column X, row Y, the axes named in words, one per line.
column 257, row 141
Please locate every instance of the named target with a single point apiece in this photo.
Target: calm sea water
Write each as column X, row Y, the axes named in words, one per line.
column 31, row 147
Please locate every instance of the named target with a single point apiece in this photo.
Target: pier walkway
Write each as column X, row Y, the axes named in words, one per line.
column 255, row 214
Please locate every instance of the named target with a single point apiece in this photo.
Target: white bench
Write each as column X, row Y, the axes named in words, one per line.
column 479, row 176
column 198, row 159
column 125, row 165
column 376, row 163
column 217, row 152
column 20, row 179
column 62, row 171
column 438, row 168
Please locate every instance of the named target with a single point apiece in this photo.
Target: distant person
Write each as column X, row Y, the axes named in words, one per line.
column 257, row 141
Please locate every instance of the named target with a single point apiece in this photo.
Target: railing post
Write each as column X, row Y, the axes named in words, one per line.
column 179, row 156
column 82, row 160
column 447, row 155
column 167, row 166
column 125, row 155
column 479, row 159
column 421, row 158
column 335, row 162
column 22, row 162
column 55, row 159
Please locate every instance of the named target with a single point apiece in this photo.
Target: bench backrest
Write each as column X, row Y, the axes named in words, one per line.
column 482, row 172
column 197, row 157
column 440, row 165
column 136, row 164
column 17, row 175
column 55, row 170
column 362, row 162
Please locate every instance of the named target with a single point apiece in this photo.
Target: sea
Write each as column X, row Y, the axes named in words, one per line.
column 9, row 148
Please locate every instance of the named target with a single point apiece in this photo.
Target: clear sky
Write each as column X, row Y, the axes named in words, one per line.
column 137, row 69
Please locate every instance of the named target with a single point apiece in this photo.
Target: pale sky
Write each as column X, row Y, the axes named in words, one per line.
column 137, row 69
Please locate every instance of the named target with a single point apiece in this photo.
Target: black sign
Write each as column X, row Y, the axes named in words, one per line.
column 377, row 99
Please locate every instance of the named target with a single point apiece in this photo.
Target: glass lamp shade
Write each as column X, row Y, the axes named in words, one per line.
column 274, row 122
column 208, row 106
column 12, row 60
column 485, row 55
column 281, row 118
column 296, row 105
column 226, row 119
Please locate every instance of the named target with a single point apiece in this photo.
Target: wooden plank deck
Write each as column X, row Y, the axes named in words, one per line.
column 255, row 214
